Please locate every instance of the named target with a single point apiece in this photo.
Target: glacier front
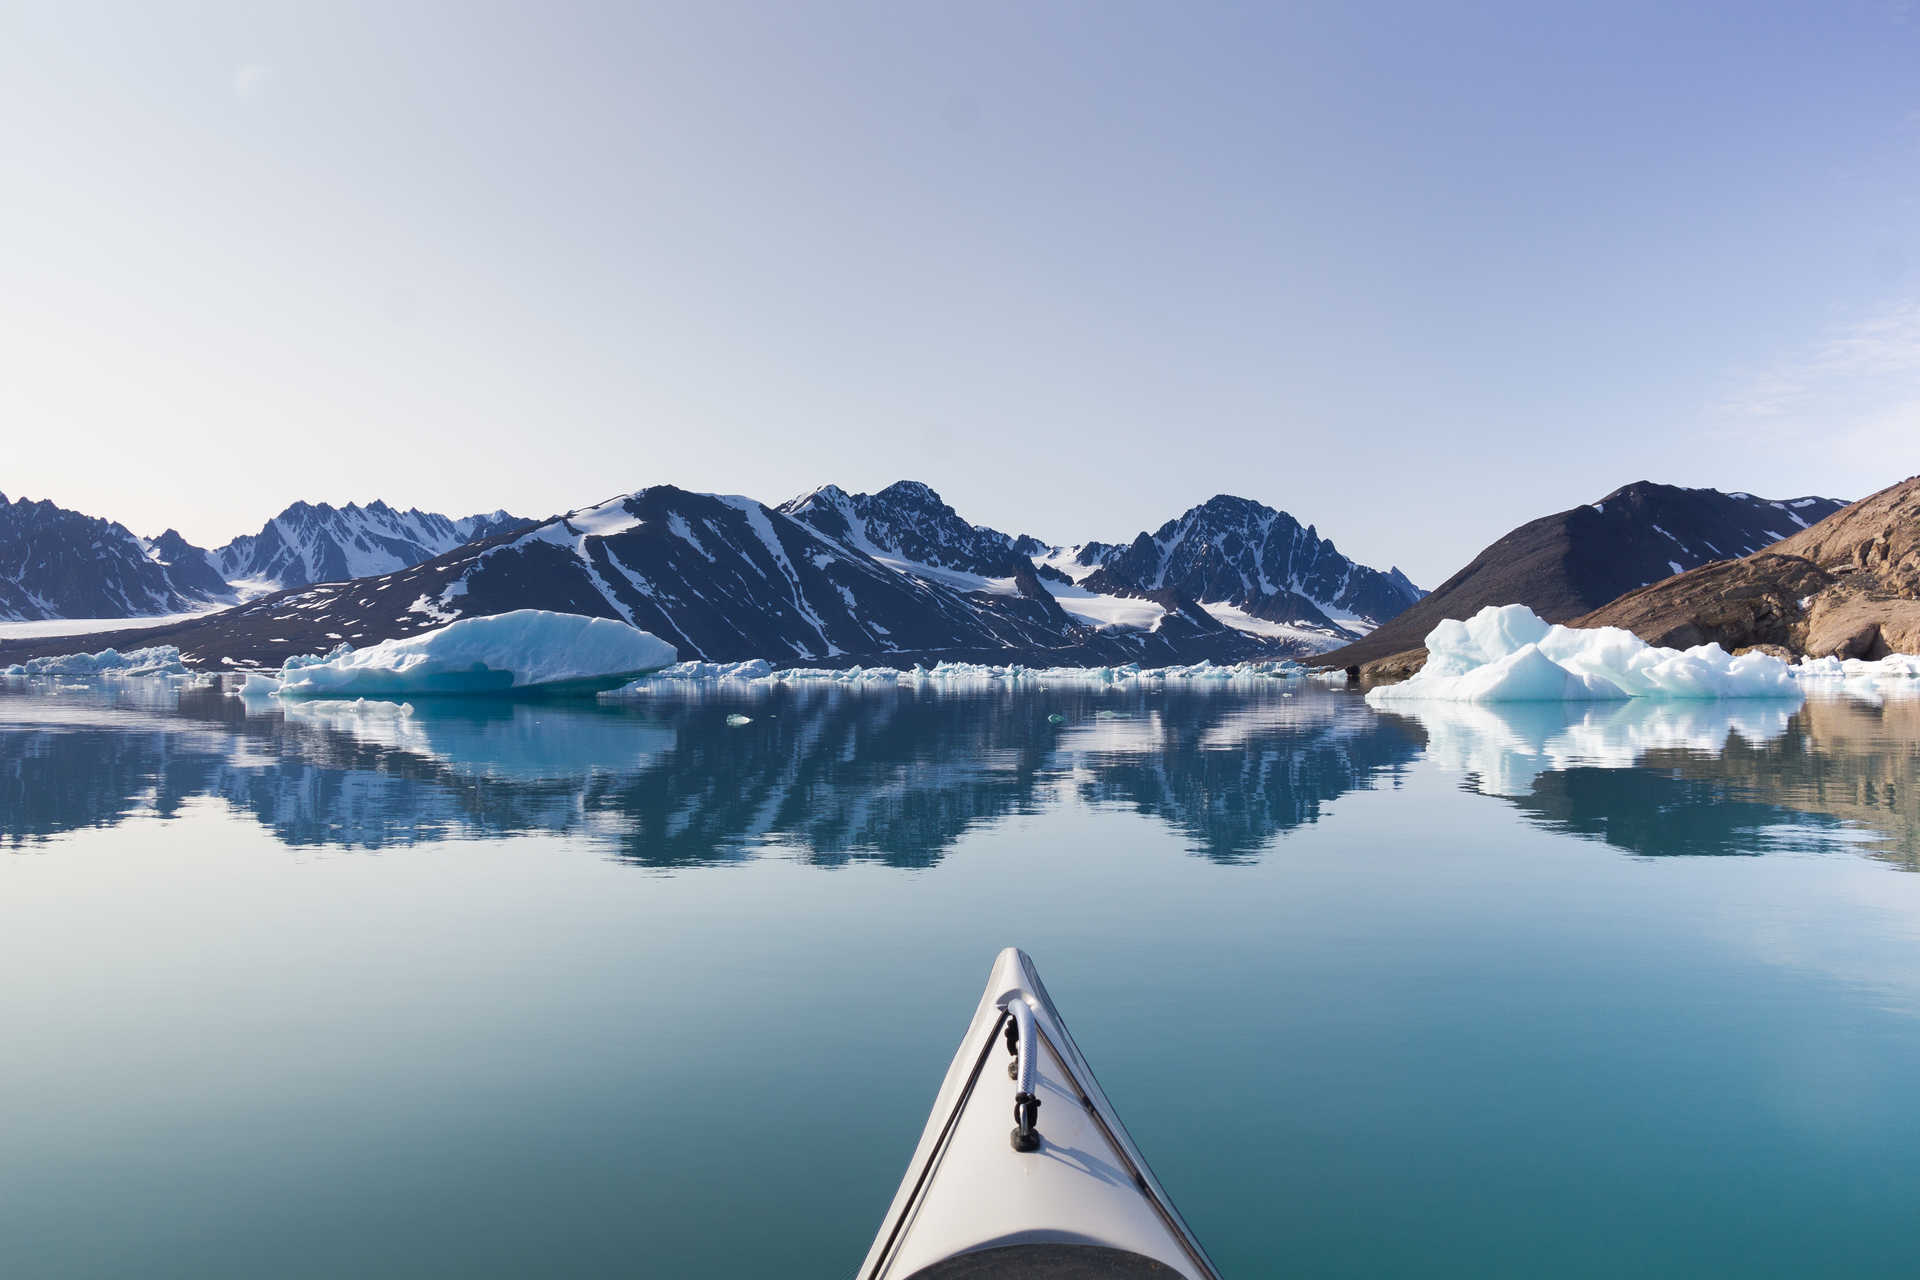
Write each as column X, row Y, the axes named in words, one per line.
column 1508, row 653
column 526, row 650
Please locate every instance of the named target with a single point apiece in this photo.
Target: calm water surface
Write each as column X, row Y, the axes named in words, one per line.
column 500, row 990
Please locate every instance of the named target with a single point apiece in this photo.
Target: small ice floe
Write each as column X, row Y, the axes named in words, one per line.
column 528, row 649
column 258, row 684
column 1507, row 653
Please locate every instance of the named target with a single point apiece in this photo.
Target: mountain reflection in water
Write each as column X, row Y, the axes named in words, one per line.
column 896, row 776
column 828, row 776
column 1679, row 778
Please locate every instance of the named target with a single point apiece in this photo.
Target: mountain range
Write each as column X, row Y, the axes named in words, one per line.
column 897, row 576
column 829, row 577
column 56, row 563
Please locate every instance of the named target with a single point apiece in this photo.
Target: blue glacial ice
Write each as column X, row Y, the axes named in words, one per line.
column 526, row 650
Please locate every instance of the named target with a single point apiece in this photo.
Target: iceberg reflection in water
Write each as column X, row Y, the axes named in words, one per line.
column 1708, row 777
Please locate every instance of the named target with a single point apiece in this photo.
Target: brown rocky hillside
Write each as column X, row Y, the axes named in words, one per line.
column 1849, row 587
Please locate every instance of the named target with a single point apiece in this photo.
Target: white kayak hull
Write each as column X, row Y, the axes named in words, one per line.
column 1081, row 1202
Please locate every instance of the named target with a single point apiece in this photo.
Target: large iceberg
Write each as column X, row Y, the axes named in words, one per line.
column 526, row 650
column 1508, row 653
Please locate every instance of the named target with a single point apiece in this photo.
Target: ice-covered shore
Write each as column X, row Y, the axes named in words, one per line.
column 1508, row 653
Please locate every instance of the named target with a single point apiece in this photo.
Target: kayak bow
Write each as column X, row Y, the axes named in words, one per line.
column 1062, row 1194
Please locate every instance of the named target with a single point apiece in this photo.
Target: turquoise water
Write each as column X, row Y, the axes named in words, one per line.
column 499, row 990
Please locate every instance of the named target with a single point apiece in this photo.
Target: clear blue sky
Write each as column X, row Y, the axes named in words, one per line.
column 1415, row 273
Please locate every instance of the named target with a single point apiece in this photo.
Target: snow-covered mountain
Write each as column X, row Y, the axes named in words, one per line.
column 190, row 568
column 1251, row 560
column 1250, row 566
column 726, row 578
column 56, row 563
column 910, row 523
column 310, row 542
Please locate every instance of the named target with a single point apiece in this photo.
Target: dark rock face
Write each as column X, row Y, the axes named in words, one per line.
column 1846, row 587
column 310, row 543
column 719, row 578
column 56, row 563
column 190, row 568
column 1572, row 562
column 1234, row 551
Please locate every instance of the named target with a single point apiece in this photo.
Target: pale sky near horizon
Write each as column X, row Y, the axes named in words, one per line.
column 1415, row 273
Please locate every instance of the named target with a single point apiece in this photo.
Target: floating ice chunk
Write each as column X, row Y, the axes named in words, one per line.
column 160, row 660
column 1509, row 654
column 753, row 669
column 259, row 684
column 528, row 649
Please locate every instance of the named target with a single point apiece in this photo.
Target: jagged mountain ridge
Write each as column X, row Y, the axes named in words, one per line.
column 1228, row 550
column 318, row 542
column 189, row 566
column 57, row 563
column 907, row 520
column 719, row 578
column 1239, row 552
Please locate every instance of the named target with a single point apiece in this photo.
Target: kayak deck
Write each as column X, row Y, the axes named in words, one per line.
column 1048, row 1262
column 1078, row 1202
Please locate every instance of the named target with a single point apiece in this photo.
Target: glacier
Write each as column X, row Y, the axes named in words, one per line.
column 528, row 649
column 1508, row 653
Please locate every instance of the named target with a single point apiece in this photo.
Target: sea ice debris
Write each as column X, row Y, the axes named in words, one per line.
column 160, row 660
